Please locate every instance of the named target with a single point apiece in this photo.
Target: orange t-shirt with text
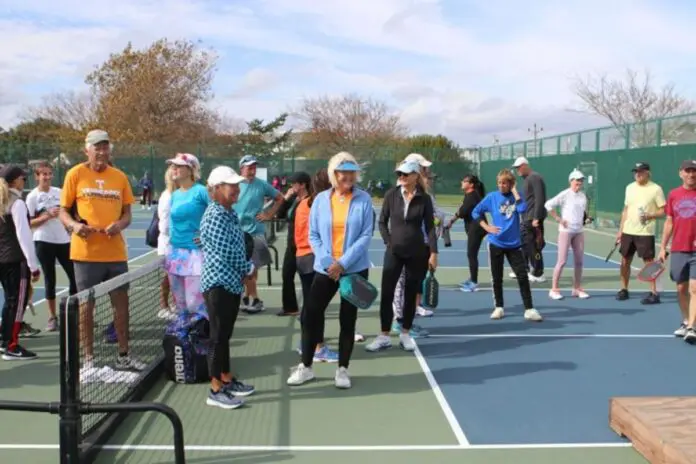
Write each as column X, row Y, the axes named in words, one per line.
column 100, row 199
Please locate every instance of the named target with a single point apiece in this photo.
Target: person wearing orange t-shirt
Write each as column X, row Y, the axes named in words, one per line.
column 95, row 208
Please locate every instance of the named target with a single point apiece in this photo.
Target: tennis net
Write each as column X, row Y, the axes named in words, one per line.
column 120, row 347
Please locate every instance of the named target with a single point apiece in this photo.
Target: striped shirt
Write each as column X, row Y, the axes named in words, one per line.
column 224, row 262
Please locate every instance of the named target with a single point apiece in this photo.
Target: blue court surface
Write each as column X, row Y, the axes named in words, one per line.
column 517, row 382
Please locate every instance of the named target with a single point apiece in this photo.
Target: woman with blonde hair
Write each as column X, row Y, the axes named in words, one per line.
column 164, row 207
column 19, row 265
column 505, row 241
column 184, row 262
column 340, row 230
column 407, row 209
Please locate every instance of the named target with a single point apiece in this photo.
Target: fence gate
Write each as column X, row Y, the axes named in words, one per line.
column 589, row 169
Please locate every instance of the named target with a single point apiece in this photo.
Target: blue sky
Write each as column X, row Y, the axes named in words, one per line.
column 467, row 69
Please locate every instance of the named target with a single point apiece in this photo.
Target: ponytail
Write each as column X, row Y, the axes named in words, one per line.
column 476, row 182
column 4, row 198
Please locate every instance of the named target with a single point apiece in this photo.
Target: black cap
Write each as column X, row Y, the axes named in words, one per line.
column 11, row 172
column 687, row 164
column 300, row 178
column 640, row 167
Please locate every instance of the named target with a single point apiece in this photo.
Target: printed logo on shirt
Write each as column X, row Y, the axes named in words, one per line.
column 45, row 201
column 686, row 208
column 100, row 192
column 508, row 209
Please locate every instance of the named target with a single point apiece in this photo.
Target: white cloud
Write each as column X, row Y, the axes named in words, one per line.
column 467, row 69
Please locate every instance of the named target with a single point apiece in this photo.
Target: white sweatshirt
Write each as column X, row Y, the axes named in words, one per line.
column 573, row 206
column 20, row 217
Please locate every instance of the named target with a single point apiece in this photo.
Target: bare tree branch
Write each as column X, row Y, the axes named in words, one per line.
column 75, row 110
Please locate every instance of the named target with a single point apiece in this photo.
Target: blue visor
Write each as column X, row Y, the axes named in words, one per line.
column 408, row 167
column 347, row 166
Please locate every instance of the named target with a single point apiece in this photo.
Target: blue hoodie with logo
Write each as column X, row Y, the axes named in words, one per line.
column 505, row 214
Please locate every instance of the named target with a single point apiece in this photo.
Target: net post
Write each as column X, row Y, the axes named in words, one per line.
column 70, row 419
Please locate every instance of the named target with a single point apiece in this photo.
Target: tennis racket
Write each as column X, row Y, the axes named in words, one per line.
column 651, row 271
column 611, row 253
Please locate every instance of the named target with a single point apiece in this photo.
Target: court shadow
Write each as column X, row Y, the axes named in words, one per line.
column 478, row 346
column 259, row 457
column 481, row 374
column 42, row 371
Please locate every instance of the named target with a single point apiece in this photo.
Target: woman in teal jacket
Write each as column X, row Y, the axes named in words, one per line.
column 341, row 224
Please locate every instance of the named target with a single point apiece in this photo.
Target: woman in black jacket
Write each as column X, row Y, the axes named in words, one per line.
column 405, row 211
column 299, row 190
column 473, row 194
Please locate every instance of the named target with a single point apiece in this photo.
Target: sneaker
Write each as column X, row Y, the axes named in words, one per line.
column 580, row 293
column 554, row 295
column 536, row 280
column 255, row 307
column 689, row 336
column 27, row 331
column 512, row 275
column 650, row 299
column 532, row 315
column 622, row 294
column 325, row 355
column 498, row 313
column 469, row 286
column 342, row 379
column 167, row 314
column 223, row 399
column 52, row 325
column 244, row 304
column 18, row 353
column 681, row 331
column 300, row 375
column 415, row 332
column 359, row 338
column 423, row 312
column 406, row 342
column 237, row 388
column 126, row 363
column 110, row 334
column 380, row 343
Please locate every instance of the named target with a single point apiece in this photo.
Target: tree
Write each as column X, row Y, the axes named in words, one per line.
column 634, row 101
column 73, row 112
column 436, row 147
column 156, row 94
column 264, row 139
column 349, row 122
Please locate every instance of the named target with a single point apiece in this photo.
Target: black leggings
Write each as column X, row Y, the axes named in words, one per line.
column 320, row 295
column 516, row 258
column 48, row 253
column 289, row 297
column 15, row 279
column 416, row 267
column 223, row 308
column 307, row 280
column 475, row 237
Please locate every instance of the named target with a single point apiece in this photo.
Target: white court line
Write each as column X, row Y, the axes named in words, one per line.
column 442, row 401
column 292, row 448
column 528, row 335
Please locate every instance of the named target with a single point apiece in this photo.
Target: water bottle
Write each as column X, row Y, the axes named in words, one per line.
column 641, row 215
column 446, row 237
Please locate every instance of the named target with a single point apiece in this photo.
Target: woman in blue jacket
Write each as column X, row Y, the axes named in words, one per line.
column 504, row 241
column 341, row 224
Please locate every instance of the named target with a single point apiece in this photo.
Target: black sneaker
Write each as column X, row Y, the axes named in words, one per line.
column 255, row 307
column 690, row 336
column 622, row 294
column 238, row 388
column 650, row 298
column 18, row 353
column 27, row 331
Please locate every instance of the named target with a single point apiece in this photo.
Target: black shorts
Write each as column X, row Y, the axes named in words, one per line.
column 643, row 244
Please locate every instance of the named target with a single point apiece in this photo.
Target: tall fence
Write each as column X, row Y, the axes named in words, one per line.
column 607, row 173
column 136, row 160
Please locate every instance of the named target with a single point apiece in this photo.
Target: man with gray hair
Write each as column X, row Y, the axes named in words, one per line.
column 95, row 208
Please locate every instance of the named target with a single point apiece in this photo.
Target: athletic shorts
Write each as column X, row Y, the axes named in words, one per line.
column 644, row 245
column 89, row 274
column 262, row 255
column 682, row 266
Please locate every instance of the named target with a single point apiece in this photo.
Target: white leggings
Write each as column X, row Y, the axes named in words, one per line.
column 567, row 240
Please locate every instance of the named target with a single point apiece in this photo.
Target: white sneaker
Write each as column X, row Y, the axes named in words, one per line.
column 359, row 338
column 513, row 275
column 498, row 313
column 535, row 279
column 582, row 294
column 406, row 342
column 301, row 375
column 532, row 315
column 342, row 379
column 421, row 311
column 381, row 342
column 555, row 295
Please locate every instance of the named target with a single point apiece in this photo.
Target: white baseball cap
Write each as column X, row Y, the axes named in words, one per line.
column 519, row 161
column 185, row 159
column 576, row 175
column 408, row 167
column 420, row 159
column 224, row 175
